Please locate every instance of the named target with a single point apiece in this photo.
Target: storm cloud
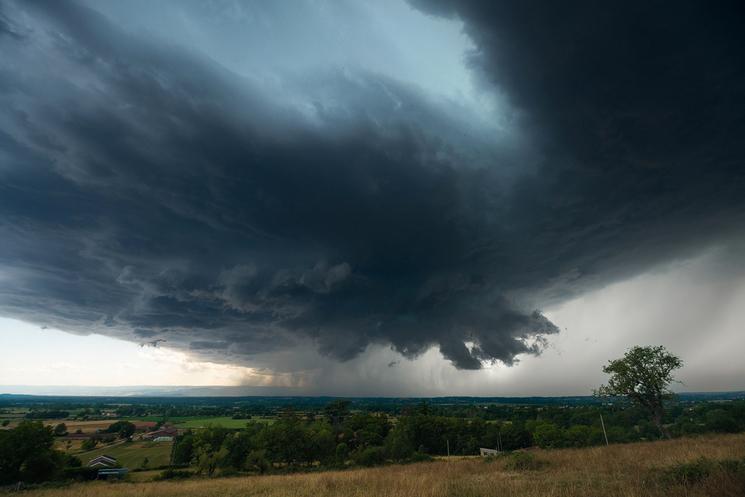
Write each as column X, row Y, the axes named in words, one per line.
column 148, row 190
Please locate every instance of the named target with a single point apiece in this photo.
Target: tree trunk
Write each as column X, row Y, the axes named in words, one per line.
column 658, row 416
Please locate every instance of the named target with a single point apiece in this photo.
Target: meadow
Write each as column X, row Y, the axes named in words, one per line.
column 132, row 454
column 204, row 421
column 224, row 421
column 649, row 469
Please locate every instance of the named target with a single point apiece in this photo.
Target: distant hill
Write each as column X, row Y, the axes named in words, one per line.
column 280, row 396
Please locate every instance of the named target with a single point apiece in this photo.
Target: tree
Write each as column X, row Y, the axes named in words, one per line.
column 125, row 429
column 89, row 444
column 257, row 460
column 183, row 450
column 238, row 446
column 643, row 375
column 60, row 430
column 208, row 448
column 337, row 411
column 27, row 453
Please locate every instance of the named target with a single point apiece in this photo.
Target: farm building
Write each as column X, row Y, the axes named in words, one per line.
column 102, row 461
column 163, row 439
column 166, row 431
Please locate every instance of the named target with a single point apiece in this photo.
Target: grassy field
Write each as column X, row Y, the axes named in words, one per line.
column 226, row 422
column 84, row 426
column 632, row 470
column 131, row 454
column 202, row 421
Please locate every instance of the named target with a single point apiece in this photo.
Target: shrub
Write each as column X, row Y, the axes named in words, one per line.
column 342, row 453
column 80, row 474
column 371, row 456
column 258, row 461
column 420, row 457
column 688, row 473
column 521, row 461
column 89, row 444
column 174, row 474
column 695, row 472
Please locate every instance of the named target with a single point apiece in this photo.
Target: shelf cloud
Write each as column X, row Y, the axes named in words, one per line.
column 243, row 204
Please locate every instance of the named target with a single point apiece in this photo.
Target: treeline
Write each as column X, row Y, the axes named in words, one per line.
column 295, row 441
column 341, row 438
column 27, row 454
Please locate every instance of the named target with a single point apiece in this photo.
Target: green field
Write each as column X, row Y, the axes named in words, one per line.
column 131, row 454
column 203, row 421
column 224, row 421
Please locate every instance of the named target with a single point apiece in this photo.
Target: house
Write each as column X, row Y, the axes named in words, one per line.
column 166, row 431
column 102, row 461
column 488, row 452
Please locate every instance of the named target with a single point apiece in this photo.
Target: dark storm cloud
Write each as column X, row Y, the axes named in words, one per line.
column 639, row 110
column 147, row 192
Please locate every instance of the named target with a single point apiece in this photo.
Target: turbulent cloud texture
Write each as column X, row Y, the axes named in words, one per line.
column 147, row 191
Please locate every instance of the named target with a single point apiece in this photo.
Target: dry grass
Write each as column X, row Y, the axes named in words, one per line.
column 84, row 426
column 615, row 471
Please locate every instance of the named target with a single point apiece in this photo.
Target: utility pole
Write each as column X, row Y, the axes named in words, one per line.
column 604, row 432
column 448, row 441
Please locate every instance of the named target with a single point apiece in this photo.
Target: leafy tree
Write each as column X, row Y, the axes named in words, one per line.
column 337, row 411
column 548, row 435
column 209, row 452
column 721, row 421
column 89, row 444
column 60, row 430
column 342, row 453
column 257, row 460
column 643, row 375
column 238, row 446
column 183, row 450
column 514, row 436
column 125, row 429
column 27, row 454
column 208, row 460
column 370, row 456
column 399, row 445
column 321, row 445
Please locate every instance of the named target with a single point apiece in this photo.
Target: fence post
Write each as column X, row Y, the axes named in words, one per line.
column 604, row 433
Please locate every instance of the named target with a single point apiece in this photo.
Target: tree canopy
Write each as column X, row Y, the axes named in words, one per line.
column 643, row 375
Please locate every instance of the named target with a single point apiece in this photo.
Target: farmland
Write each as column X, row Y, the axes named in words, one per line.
column 628, row 470
column 187, row 422
column 216, row 443
column 133, row 454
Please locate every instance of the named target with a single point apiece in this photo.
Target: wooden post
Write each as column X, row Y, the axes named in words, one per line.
column 603, row 425
column 448, row 441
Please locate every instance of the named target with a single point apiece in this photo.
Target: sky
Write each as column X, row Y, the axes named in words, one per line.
column 435, row 197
